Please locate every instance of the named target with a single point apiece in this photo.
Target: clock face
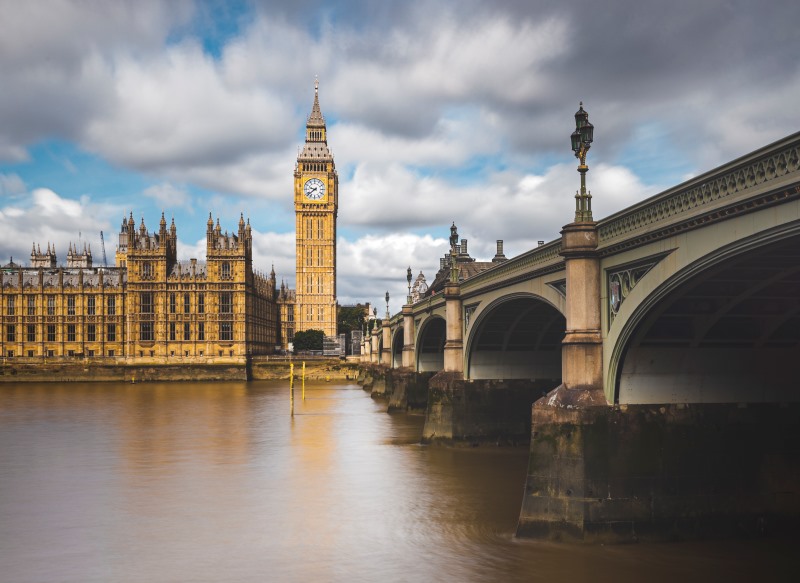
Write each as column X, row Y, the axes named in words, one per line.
column 314, row 189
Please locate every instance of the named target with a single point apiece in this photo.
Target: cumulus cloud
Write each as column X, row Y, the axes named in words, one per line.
column 510, row 205
column 175, row 111
column 394, row 82
column 417, row 72
column 372, row 265
column 519, row 209
column 57, row 62
column 11, row 185
column 452, row 142
column 275, row 250
column 43, row 216
column 463, row 117
column 168, row 195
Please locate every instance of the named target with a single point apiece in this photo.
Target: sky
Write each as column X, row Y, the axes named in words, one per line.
column 437, row 112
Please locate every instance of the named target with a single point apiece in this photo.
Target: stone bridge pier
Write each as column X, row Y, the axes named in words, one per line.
column 403, row 388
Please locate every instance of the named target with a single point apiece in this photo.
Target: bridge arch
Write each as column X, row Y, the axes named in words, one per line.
column 397, row 347
column 516, row 337
column 725, row 328
column 430, row 344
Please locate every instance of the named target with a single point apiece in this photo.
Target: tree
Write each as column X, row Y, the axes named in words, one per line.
column 350, row 318
column 308, row 340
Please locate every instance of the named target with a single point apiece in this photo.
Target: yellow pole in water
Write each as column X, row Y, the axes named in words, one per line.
column 304, row 380
column 291, row 389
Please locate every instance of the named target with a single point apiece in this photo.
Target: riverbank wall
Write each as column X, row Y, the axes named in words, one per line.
column 255, row 369
column 330, row 369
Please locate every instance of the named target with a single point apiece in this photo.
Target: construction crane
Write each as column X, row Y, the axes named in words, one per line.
column 103, row 245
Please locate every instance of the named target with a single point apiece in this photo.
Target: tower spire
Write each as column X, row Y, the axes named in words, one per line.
column 316, row 118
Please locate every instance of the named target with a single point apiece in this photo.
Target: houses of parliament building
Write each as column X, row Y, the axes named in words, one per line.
column 151, row 308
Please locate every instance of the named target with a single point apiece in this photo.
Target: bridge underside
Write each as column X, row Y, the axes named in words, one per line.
column 430, row 347
column 518, row 339
column 730, row 334
column 397, row 348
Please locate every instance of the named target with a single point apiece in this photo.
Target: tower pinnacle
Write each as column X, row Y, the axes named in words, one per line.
column 316, row 119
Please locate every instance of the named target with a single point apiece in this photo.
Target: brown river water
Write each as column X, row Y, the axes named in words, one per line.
column 218, row 482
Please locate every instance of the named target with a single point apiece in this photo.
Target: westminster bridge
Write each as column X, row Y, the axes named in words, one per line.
column 660, row 346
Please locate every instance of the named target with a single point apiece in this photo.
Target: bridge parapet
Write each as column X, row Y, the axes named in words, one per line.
column 757, row 178
column 532, row 263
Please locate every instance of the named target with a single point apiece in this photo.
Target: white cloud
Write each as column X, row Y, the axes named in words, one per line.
column 169, row 195
column 372, row 265
column 44, row 217
column 508, row 205
column 415, row 72
column 11, row 185
column 175, row 111
column 12, row 152
column 275, row 249
column 57, row 61
column 432, row 120
column 49, row 204
column 452, row 142
column 196, row 250
column 63, row 31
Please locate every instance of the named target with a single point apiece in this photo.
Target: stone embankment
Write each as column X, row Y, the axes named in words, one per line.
column 329, row 369
column 256, row 369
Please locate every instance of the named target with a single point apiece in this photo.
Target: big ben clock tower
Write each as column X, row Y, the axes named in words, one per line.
column 316, row 203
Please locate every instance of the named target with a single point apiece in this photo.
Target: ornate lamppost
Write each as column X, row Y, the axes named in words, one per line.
column 408, row 278
column 581, row 142
column 387, row 306
column 453, row 243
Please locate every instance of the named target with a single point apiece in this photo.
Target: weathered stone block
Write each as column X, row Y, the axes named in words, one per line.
column 479, row 411
column 607, row 474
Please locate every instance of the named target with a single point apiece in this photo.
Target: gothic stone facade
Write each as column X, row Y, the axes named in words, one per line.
column 149, row 308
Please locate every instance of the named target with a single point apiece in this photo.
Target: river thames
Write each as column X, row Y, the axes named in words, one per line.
column 218, row 482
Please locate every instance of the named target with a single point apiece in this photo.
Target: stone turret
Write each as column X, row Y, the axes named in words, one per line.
column 46, row 260
column 272, row 279
column 77, row 258
column 209, row 231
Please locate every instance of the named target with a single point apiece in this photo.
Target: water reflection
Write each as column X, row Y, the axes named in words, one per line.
column 217, row 482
